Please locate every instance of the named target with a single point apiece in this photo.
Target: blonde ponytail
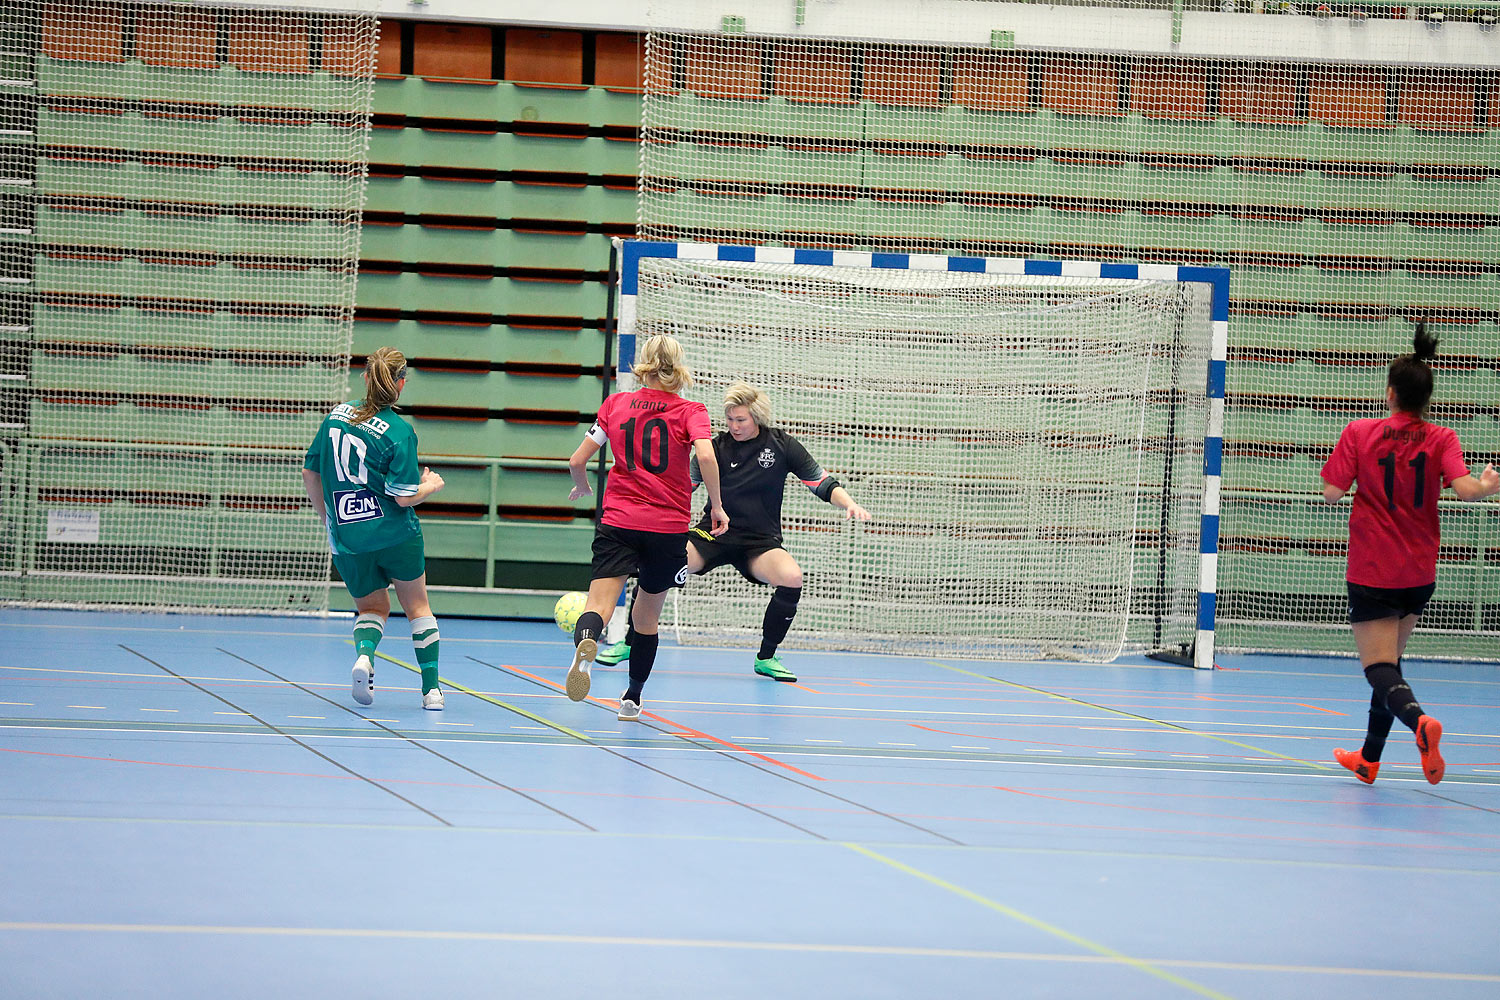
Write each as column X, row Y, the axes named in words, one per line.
column 661, row 356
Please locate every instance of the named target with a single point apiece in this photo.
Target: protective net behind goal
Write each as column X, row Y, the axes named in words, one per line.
column 1030, row 448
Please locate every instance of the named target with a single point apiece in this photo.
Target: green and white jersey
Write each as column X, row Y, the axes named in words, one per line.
column 363, row 466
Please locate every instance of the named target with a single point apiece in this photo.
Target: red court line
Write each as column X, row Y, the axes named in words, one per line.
column 1315, row 708
column 691, row 733
column 687, row 731
column 606, row 702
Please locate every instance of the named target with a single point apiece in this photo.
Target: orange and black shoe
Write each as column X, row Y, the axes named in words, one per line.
column 1429, row 732
column 1355, row 761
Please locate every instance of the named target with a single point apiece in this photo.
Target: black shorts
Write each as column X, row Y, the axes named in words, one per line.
column 1368, row 604
column 658, row 558
column 716, row 553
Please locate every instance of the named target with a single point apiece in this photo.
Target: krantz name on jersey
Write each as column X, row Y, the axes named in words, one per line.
column 345, row 412
column 1414, row 434
column 648, row 404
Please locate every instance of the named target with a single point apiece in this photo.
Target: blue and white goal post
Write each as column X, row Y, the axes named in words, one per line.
column 1025, row 432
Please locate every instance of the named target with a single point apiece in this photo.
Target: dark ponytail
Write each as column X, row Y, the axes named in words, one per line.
column 1410, row 374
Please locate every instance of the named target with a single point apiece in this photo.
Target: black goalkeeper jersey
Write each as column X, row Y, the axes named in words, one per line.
column 752, row 477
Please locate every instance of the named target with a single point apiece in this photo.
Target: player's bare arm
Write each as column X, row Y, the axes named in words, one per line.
column 708, row 469
column 430, row 484
column 840, row 498
column 1486, row 484
column 313, row 484
column 578, row 466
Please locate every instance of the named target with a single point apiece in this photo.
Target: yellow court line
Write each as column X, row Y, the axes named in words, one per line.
column 1129, row 715
column 484, row 697
column 787, row 946
column 1043, row 926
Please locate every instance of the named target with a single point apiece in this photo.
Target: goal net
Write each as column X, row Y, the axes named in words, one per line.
column 1030, row 445
column 180, row 195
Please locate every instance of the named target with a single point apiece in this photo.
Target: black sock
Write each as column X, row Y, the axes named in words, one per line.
column 590, row 626
column 779, row 615
column 1386, row 680
column 642, row 659
column 1379, row 728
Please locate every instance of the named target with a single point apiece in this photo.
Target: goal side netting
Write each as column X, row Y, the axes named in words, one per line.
column 1031, row 448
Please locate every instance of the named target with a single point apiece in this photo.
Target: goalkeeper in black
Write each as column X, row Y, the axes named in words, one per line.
column 754, row 461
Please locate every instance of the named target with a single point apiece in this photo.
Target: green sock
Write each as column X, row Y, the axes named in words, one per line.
column 368, row 630
column 424, row 637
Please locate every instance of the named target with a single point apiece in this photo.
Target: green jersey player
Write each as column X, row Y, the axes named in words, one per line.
column 361, row 475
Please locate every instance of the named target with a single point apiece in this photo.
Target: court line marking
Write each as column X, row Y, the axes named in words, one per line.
column 731, row 945
column 619, row 752
column 1415, row 777
column 610, row 705
column 793, row 710
column 1315, row 708
column 1139, row 965
column 413, row 741
column 558, row 726
column 1382, row 869
column 785, row 946
column 1129, row 715
column 740, row 754
column 288, row 736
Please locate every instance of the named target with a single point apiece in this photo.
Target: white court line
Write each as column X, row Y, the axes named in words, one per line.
column 749, row 737
column 455, row 723
column 1332, row 731
column 957, row 746
column 822, row 741
column 898, row 744
column 1127, row 753
column 86, row 706
column 1039, row 750
column 245, row 714
column 369, row 933
column 23, row 704
column 240, row 734
column 167, row 710
column 307, row 717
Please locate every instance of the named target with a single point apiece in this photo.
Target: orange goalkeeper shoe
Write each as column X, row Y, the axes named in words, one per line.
column 1429, row 732
column 1355, row 761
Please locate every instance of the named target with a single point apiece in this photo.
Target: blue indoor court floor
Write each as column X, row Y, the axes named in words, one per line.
column 195, row 807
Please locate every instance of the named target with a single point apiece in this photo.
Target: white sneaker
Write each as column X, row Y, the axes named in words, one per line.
column 433, row 700
column 578, row 674
column 630, row 711
column 362, row 681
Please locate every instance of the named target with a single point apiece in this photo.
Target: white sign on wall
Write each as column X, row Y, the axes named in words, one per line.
column 76, row 526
